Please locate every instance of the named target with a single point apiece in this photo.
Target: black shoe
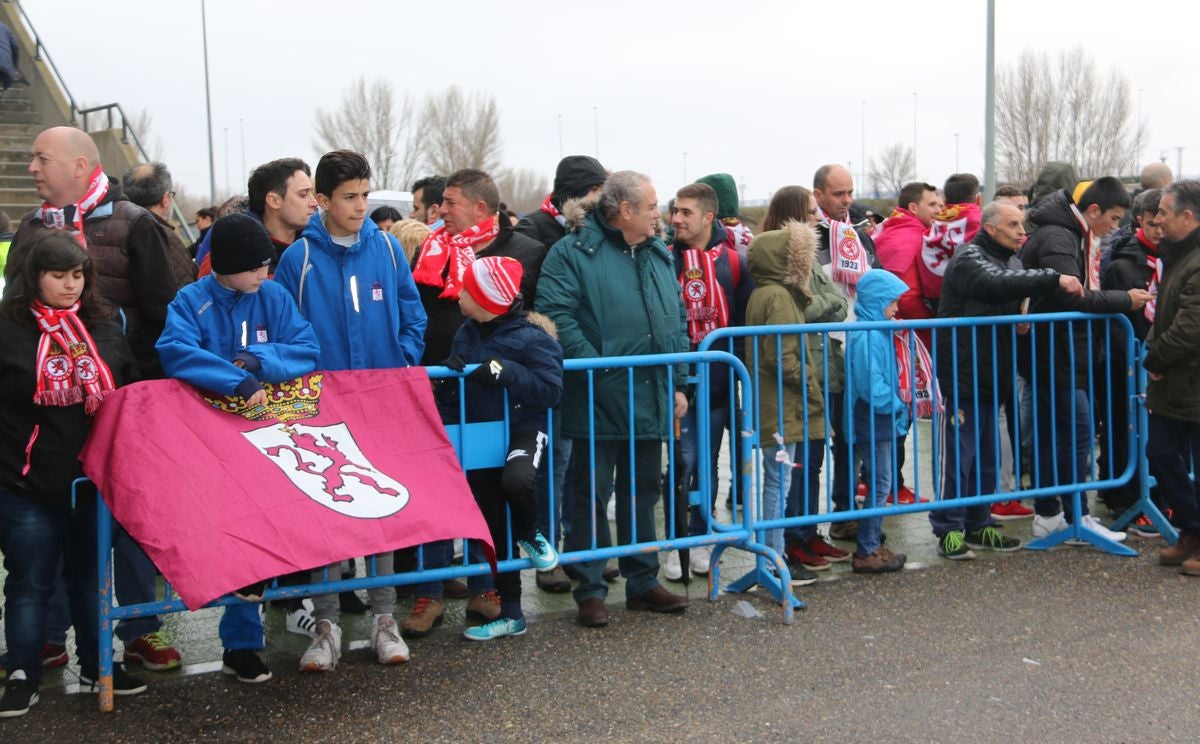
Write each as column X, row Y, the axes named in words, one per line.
column 20, row 695
column 351, row 604
column 801, row 574
column 246, row 665
column 124, row 683
column 611, row 573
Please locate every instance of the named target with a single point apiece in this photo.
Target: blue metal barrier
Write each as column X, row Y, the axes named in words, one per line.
column 484, row 445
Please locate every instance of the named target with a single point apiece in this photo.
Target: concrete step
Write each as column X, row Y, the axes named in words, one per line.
column 18, row 117
column 15, row 167
column 8, row 103
column 17, row 210
column 18, row 196
column 20, row 130
column 16, row 182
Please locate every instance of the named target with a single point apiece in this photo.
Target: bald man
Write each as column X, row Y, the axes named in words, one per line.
column 124, row 240
column 1156, row 176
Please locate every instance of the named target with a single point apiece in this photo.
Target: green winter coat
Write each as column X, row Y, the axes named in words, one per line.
column 781, row 262
column 610, row 299
column 1173, row 346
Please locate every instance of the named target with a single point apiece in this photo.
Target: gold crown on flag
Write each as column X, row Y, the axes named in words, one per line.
column 290, row 400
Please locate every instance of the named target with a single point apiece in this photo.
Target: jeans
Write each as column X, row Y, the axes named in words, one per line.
column 639, row 489
column 241, row 628
column 836, row 415
column 869, row 530
column 136, row 581
column 689, row 440
column 553, row 526
column 439, row 555
column 777, row 477
column 970, row 466
column 811, row 456
column 1172, row 447
column 34, row 537
column 1070, row 449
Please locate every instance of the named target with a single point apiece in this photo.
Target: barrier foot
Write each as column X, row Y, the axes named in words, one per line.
column 1076, row 531
column 1152, row 512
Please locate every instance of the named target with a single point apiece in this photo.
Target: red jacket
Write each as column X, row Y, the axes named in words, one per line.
column 898, row 246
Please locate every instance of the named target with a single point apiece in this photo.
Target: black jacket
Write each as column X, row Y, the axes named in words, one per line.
column 39, row 445
column 541, row 227
column 1175, row 337
column 445, row 316
column 982, row 279
column 1056, row 244
column 1128, row 269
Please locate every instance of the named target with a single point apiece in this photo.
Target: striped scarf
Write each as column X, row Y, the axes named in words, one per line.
column 847, row 256
column 69, row 367
column 440, row 249
column 1090, row 246
column 1156, row 267
column 703, row 296
column 56, row 218
column 549, row 208
column 924, row 386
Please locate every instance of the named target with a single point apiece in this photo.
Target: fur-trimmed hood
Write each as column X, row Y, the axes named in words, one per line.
column 785, row 256
column 575, row 211
column 543, row 322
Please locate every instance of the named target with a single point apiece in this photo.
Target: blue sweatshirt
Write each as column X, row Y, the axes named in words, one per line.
column 872, row 381
column 361, row 299
column 209, row 326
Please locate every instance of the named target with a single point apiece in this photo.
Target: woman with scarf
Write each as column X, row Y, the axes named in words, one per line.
column 60, row 355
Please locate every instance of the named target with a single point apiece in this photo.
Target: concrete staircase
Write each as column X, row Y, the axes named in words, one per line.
column 19, row 125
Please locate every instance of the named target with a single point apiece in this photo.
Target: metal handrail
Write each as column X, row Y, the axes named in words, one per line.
column 41, row 53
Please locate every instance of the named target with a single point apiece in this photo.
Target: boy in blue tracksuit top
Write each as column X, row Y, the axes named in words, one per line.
column 353, row 283
column 228, row 333
column 878, row 413
column 519, row 375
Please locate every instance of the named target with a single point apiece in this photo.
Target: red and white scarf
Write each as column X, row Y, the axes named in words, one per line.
column 56, row 217
column 925, row 387
column 1156, row 267
column 703, row 296
column 847, row 256
column 1090, row 245
column 549, row 208
column 440, row 249
column 69, row 367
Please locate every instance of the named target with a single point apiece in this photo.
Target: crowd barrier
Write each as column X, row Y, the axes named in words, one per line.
column 1030, row 338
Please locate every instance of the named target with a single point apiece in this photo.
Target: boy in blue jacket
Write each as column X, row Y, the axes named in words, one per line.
column 879, row 415
column 351, row 280
column 519, row 374
column 229, row 332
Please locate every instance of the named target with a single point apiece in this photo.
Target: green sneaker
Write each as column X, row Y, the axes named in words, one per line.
column 951, row 545
column 990, row 538
column 497, row 628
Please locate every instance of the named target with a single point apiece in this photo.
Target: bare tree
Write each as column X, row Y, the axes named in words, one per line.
column 891, row 169
column 460, row 132
column 371, row 120
column 523, row 190
column 1063, row 109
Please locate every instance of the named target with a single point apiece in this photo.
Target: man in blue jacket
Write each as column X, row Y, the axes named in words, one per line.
column 352, row 282
column 228, row 333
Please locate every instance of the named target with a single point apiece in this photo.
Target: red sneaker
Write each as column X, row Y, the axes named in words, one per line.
column 860, row 493
column 1005, row 510
column 906, row 497
column 797, row 553
column 832, row 553
column 152, row 652
column 54, row 655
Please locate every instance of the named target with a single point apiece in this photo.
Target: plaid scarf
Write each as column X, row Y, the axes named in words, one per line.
column 57, row 218
column 69, row 367
column 847, row 256
column 703, row 296
column 925, row 384
column 1090, row 246
column 1155, row 264
column 440, row 249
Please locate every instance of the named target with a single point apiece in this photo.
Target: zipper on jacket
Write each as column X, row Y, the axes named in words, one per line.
column 29, row 449
column 354, row 292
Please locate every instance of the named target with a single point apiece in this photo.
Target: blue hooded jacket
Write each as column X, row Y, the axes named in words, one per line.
column 871, row 376
column 361, row 300
column 209, row 326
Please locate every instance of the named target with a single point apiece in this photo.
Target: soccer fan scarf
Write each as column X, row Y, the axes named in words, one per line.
column 703, row 296
column 549, row 208
column 56, row 218
column 69, row 367
column 440, row 249
column 916, row 379
column 847, row 256
column 1155, row 264
column 1091, row 251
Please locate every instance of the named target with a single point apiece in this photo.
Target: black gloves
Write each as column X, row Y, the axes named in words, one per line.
column 456, row 363
column 487, row 373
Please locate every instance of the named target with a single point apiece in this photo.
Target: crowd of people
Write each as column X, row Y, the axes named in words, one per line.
column 102, row 293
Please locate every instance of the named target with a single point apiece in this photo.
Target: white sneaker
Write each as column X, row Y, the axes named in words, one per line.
column 700, row 560
column 322, row 654
column 301, row 621
column 1094, row 525
column 385, row 639
column 672, row 570
column 1043, row 526
column 612, row 508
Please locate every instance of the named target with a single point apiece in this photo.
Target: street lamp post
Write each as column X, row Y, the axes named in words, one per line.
column 914, row 135
column 212, row 171
column 956, row 152
column 989, row 116
column 862, row 162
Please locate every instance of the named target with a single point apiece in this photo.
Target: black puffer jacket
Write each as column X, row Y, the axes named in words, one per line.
column 541, row 227
column 1128, row 268
column 39, row 445
column 982, row 279
column 1057, row 244
column 1175, row 337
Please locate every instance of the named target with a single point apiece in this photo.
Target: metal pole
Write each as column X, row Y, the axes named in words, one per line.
column 596, row 128
column 914, row 135
column 862, row 163
column 242, row 127
column 560, row 140
column 1137, row 155
column 212, row 171
column 989, row 116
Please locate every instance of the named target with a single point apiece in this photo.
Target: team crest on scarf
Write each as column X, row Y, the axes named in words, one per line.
column 323, row 462
column 694, row 284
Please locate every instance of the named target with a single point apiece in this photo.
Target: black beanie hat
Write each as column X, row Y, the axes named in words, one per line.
column 576, row 175
column 240, row 243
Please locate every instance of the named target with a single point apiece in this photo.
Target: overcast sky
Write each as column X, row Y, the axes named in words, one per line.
column 765, row 91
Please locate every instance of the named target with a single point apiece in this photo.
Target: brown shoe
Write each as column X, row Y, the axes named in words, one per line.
column 657, row 600
column 454, row 589
column 426, row 614
column 1184, row 548
column 611, row 572
column 554, row 581
column 1191, row 567
column 881, row 561
column 484, row 606
column 593, row 613
column 845, row 531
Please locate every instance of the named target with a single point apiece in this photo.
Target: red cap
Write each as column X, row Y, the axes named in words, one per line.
column 494, row 282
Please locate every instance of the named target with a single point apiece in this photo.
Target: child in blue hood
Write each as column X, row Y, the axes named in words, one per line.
column 877, row 412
